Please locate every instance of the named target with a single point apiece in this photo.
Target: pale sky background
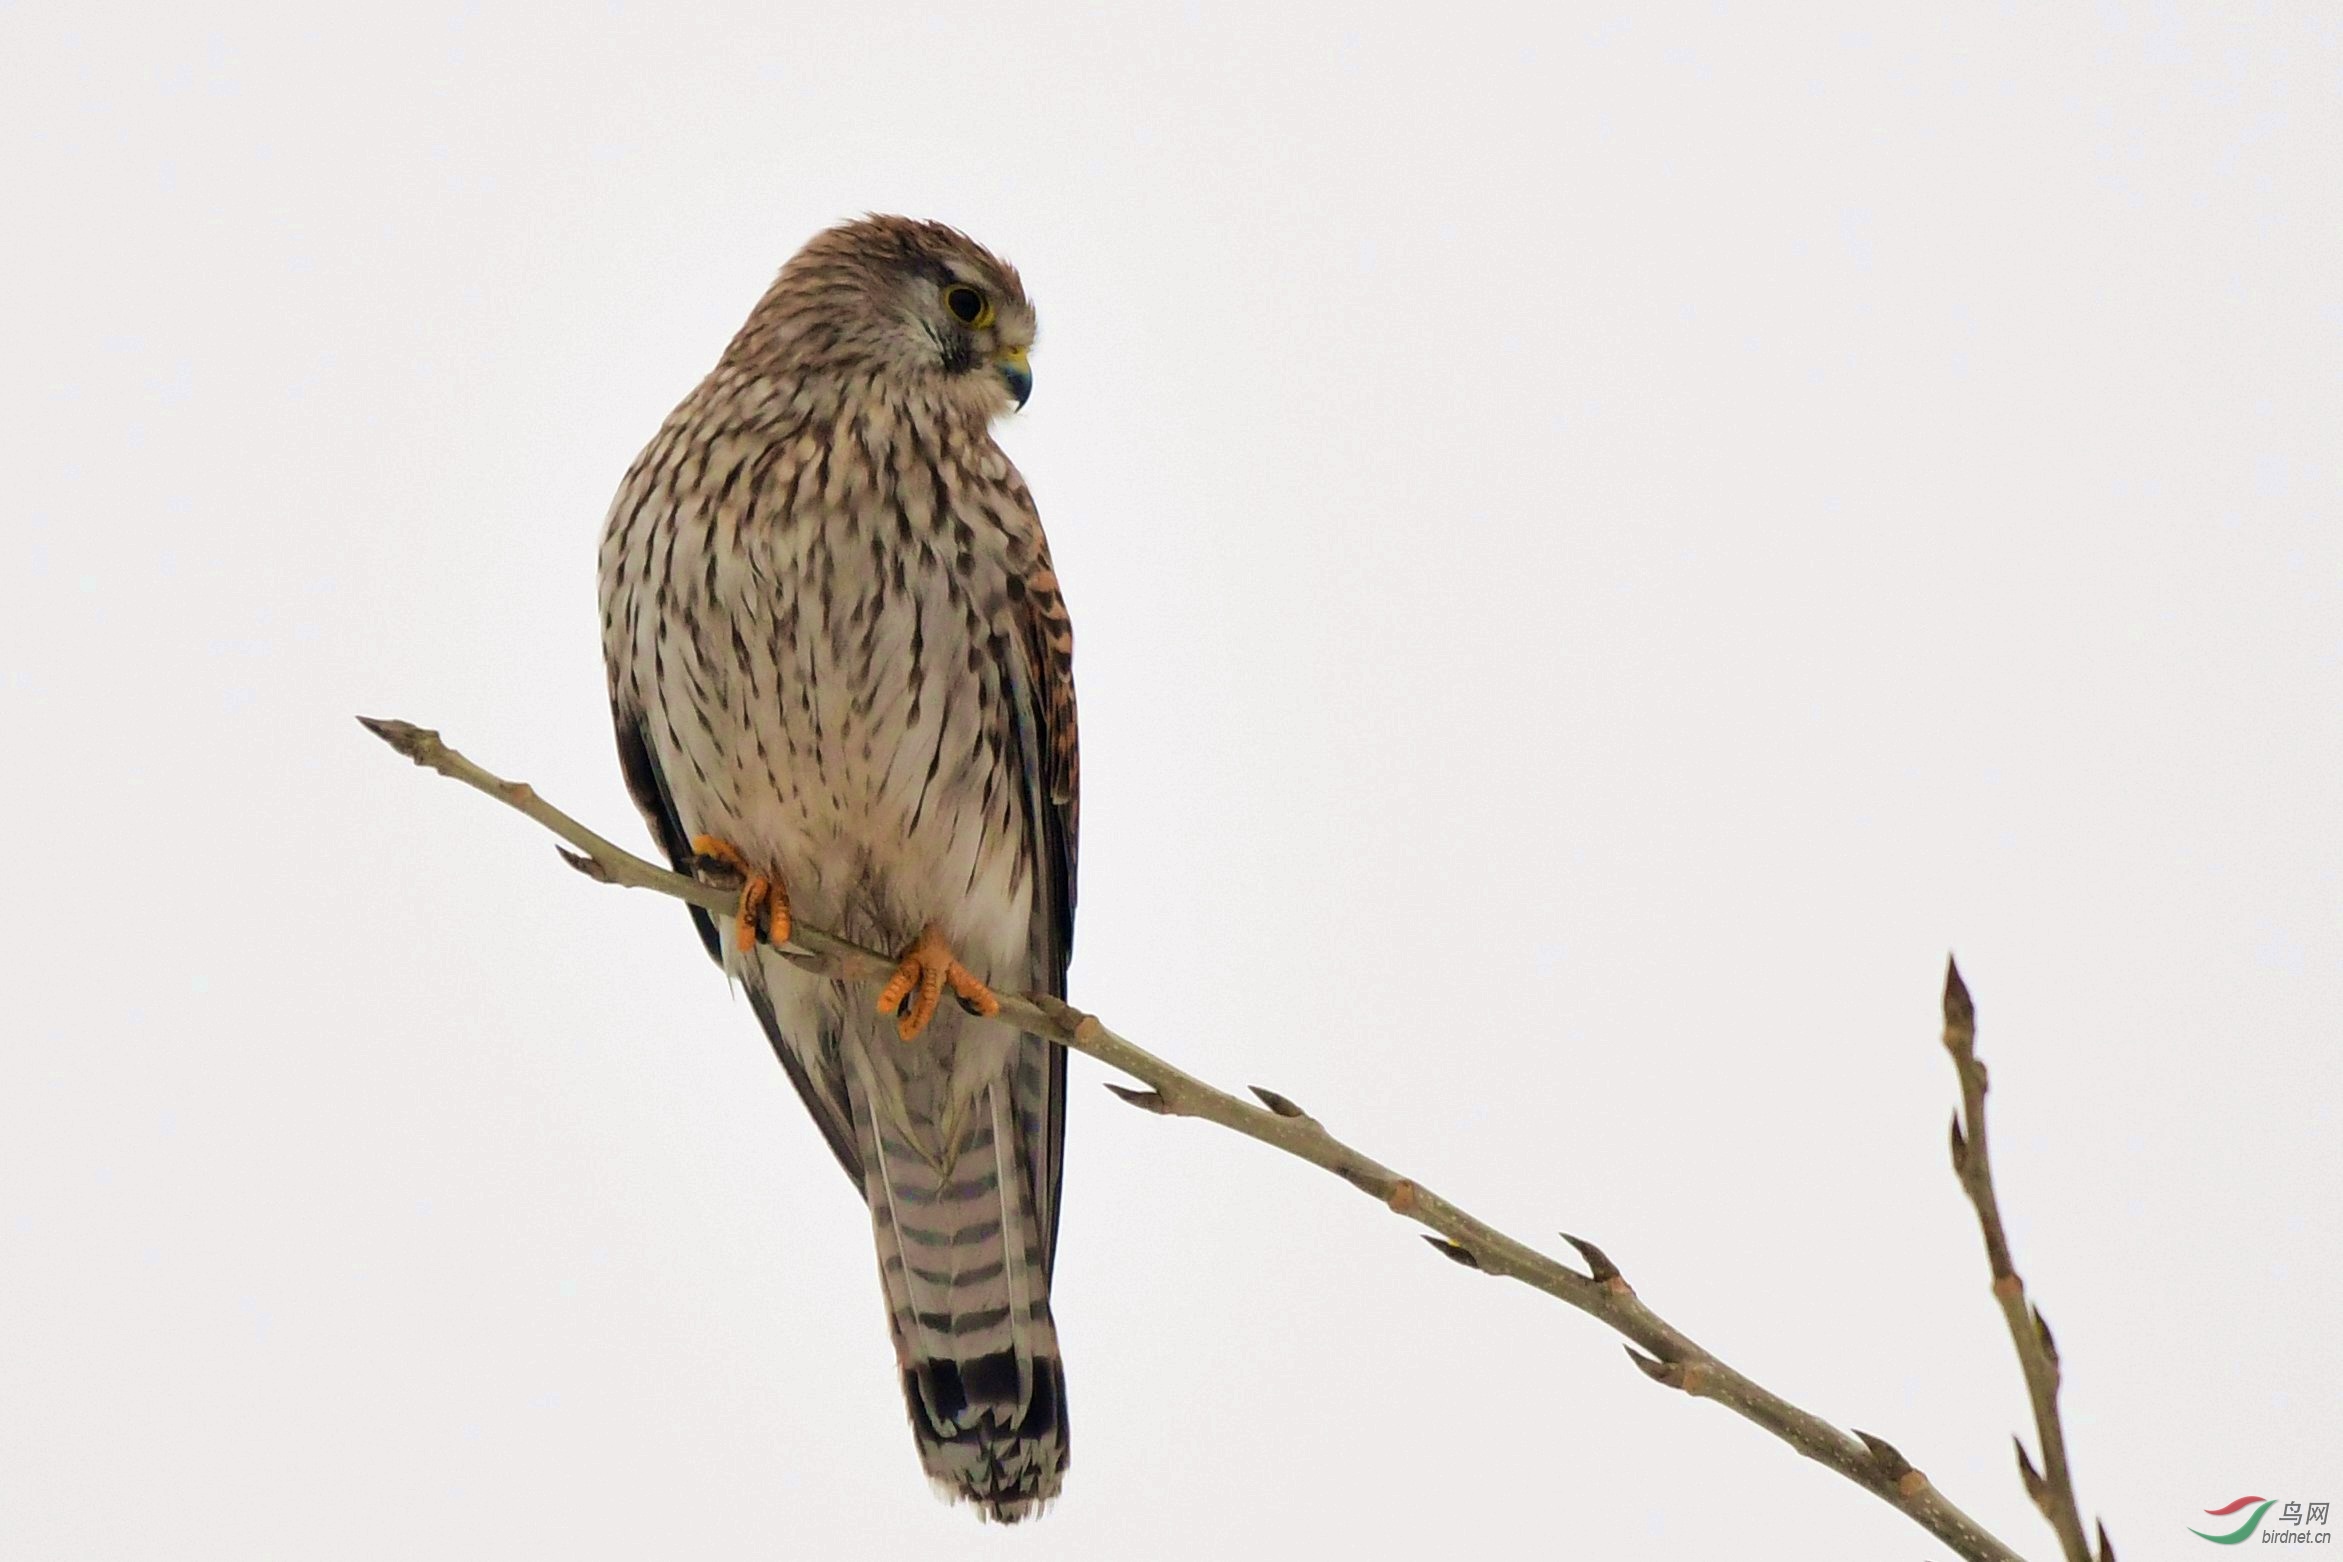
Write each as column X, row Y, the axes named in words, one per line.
column 1601, row 547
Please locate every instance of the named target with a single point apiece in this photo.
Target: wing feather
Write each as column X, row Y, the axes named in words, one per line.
column 648, row 786
column 1050, row 752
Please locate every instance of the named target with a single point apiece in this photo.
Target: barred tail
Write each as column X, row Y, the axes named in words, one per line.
column 963, row 1262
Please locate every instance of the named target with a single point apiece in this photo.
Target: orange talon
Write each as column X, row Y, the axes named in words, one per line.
column 764, row 900
column 927, row 965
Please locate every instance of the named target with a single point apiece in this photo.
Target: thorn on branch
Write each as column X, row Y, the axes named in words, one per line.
column 2106, row 1546
column 1598, row 1263
column 1452, row 1251
column 1885, row 1454
column 1144, row 1100
column 1281, row 1105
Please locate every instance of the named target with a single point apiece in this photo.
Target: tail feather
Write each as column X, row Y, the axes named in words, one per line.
column 964, row 1263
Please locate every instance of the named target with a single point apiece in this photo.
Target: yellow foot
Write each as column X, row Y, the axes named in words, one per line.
column 764, row 902
column 918, row 984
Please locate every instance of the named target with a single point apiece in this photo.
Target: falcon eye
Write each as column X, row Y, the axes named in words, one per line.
column 968, row 306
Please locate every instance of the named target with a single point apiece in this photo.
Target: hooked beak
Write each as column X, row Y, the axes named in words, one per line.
column 1016, row 373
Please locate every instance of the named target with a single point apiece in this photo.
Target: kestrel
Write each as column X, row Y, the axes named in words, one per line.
column 841, row 672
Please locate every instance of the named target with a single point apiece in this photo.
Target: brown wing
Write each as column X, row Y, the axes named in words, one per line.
column 648, row 787
column 1050, row 751
column 1049, row 638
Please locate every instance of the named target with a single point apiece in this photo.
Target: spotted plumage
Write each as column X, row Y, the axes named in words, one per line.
column 836, row 646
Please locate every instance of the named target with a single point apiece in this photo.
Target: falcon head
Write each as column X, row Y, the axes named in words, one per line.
column 915, row 306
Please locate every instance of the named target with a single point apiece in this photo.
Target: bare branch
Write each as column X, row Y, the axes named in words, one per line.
column 1667, row 1355
column 2052, row 1487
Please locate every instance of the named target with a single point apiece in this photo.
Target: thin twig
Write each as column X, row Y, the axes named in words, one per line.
column 1666, row 1354
column 2052, row 1487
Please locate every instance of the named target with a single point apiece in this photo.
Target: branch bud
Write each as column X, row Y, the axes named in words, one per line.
column 1450, row 1250
column 1277, row 1103
column 2037, row 1489
column 1598, row 1262
column 584, row 864
column 1660, row 1372
column 1960, row 1013
column 1884, row 1454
